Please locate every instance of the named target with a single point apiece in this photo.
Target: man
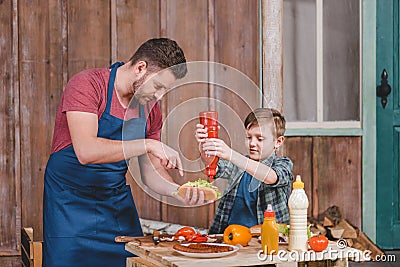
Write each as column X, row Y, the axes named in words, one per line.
column 86, row 200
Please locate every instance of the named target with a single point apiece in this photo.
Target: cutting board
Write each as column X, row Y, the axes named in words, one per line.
column 163, row 255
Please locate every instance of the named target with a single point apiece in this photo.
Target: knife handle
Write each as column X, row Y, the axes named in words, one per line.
column 124, row 239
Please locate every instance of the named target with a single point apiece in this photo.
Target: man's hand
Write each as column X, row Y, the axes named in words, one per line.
column 196, row 199
column 169, row 158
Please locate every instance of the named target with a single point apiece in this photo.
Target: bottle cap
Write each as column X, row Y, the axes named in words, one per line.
column 298, row 184
column 269, row 213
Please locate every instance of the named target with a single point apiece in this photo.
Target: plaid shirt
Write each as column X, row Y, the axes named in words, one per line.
column 276, row 194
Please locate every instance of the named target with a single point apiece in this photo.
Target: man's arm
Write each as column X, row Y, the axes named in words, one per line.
column 154, row 156
column 155, row 176
column 92, row 149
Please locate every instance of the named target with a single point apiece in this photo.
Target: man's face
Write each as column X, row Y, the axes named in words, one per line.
column 153, row 86
column 260, row 141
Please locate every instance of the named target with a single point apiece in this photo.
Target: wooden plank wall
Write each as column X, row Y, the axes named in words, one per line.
column 219, row 36
column 331, row 170
column 34, row 75
column 177, row 24
column 44, row 43
column 10, row 219
column 14, row 261
column 225, row 38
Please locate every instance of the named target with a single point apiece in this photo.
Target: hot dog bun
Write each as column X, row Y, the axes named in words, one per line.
column 255, row 230
column 210, row 192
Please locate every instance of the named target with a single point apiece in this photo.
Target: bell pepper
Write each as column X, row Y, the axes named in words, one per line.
column 237, row 234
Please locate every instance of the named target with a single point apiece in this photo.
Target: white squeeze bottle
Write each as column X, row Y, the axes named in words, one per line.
column 298, row 204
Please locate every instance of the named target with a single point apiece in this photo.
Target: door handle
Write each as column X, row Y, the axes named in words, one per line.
column 384, row 89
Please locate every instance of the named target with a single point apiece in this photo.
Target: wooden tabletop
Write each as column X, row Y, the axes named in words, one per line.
column 163, row 255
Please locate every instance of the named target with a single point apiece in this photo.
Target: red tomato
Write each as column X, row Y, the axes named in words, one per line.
column 186, row 232
column 199, row 239
column 318, row 243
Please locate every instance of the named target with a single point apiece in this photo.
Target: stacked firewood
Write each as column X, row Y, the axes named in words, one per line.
column 331, row 224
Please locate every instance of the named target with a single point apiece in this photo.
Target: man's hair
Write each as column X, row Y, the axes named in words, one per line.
column 259, row 115
column 162, row 53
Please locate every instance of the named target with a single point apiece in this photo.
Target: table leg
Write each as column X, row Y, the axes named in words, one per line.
column 138, row 262
column 324, row 263
column 340, row 263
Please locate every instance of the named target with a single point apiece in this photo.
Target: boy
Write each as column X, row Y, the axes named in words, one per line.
column 256, row 180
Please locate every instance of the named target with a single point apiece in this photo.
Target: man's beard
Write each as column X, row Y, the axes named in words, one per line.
column 137, row 84
column 135, row 88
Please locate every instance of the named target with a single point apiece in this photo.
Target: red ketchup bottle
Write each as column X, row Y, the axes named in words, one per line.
column 210, row 120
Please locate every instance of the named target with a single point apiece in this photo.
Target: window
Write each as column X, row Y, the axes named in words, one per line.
column 322, row 80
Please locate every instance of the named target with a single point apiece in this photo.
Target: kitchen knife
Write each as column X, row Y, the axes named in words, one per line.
column 125, row 239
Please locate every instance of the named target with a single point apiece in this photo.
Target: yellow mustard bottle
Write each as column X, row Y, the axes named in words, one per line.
column 269, row 232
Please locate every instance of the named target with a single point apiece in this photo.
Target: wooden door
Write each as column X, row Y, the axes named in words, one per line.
column 388, row 127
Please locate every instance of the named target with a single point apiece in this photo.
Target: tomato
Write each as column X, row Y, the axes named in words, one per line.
column 318, row 243
column 237, row 234
column 199, row 239
column 186, row 232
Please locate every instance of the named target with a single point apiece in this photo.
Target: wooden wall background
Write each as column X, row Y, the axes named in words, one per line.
column 44, row 42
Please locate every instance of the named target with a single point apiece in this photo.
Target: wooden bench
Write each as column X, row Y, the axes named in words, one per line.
column 31, row 251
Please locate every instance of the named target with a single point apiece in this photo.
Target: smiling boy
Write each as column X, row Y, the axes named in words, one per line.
column 256, row 180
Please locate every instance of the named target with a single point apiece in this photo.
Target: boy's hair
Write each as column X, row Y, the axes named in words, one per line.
column 162, row 53
column 256, row 116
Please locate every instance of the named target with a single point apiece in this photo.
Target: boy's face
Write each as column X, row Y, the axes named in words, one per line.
column 260, row 141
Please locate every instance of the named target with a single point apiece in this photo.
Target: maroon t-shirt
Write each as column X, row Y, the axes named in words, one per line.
column 87, row 92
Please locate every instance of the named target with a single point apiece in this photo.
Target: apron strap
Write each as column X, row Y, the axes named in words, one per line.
column 141, row 111
column 110, row 88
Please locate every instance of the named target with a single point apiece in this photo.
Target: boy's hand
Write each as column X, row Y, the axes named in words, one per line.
column 201, row 133
column 217, row 147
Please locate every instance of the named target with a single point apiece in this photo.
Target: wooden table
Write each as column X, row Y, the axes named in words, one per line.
column 163, row 255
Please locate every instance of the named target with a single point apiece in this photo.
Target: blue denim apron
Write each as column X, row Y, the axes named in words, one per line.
column 86, row 206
